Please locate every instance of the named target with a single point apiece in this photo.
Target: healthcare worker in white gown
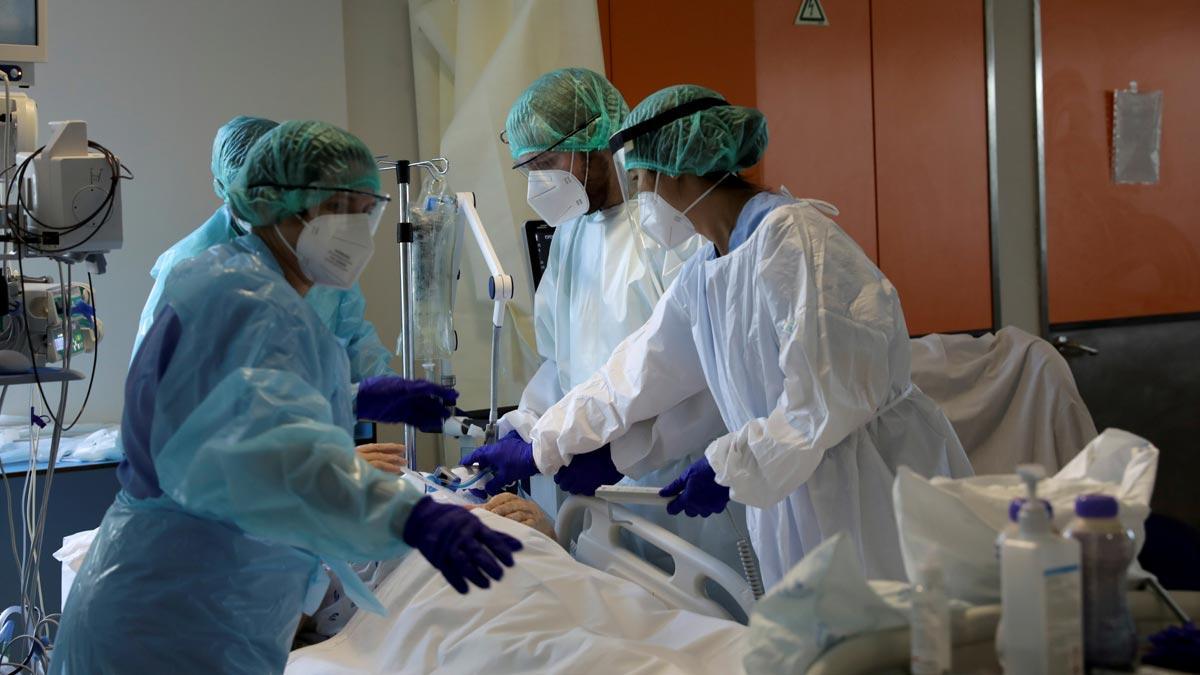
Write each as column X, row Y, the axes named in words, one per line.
column 797, row 334
column 601, row 283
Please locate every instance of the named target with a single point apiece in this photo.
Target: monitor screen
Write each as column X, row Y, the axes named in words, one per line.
column 18, row 22
column 538, row 236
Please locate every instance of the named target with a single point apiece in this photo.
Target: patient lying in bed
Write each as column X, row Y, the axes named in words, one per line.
column 549, row 614
column 336, row 609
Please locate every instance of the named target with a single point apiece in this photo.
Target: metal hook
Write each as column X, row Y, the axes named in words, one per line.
column 437, row 167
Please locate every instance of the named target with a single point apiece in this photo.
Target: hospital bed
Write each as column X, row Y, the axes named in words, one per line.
column 591, row 529
column 604, row 610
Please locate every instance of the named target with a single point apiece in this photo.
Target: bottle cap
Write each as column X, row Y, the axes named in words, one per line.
column 1014, row 508
column 1096, row 506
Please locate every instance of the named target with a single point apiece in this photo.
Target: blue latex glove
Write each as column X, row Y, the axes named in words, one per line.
column 391, row 399
column 460, row 546
column 587, row 472
column 510, row 459
column 698, row 490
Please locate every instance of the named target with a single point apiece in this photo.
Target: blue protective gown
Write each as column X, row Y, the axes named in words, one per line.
column 342, row 311
column 239, row 477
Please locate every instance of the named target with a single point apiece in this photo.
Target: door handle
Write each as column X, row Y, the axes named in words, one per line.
column 1068, row 347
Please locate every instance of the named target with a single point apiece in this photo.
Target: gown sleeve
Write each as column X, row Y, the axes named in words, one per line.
column 651, row 371
column 258, row 445
column 835, row 365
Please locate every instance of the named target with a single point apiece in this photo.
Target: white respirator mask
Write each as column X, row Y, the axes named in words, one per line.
column 557, row 196
column 665, row 224
column 333, row 249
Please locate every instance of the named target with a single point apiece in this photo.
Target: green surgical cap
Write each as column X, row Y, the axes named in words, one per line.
column 286, row 168
column 230, row 146
column 557, row 104
column 726, row 138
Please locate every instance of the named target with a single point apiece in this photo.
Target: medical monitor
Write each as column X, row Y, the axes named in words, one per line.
column 22, row 31
column 538, row 236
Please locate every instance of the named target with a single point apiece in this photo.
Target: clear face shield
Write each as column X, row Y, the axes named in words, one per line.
column 621, row 144
column 666, row 241
column 555, row 192
column 626, row 179
column 338, row 237
column 366, row 207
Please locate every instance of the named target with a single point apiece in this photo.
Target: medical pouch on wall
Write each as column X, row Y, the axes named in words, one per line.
column 1137, row 135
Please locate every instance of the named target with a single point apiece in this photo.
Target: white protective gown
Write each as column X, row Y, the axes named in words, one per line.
column 601, row 283
column 802, row 342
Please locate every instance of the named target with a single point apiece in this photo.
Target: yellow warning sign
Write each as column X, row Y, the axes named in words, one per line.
column 811, row 14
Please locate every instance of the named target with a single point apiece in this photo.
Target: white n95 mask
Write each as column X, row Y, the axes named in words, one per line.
column 665, row 224
column 557, row 196
column 333, row 249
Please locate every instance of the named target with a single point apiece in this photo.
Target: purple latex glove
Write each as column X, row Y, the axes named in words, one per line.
column 458, row 544
column 510, row 459
column 587, row 472
column 391, row 399
column 699, row 492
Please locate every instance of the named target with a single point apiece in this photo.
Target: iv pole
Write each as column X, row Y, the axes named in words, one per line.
column 500, row 290
column 404, row 237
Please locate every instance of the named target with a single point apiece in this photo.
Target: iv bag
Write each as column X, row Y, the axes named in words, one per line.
column 435, row 256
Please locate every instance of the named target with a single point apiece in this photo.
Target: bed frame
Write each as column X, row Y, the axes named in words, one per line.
column 590, row 528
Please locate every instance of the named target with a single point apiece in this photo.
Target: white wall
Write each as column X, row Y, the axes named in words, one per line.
column 154, row 79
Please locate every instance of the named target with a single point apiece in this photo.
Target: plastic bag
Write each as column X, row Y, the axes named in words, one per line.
column 820, row 602
column 71, row 555
column 956, row 522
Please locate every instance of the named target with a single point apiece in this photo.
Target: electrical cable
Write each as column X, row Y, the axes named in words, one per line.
column 34, row 502
column 8, row 504
column 33, row 524
column 117, row 171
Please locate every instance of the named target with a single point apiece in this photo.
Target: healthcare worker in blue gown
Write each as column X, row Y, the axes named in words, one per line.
column 240, row 475
column 341, row 310
column 796, row 333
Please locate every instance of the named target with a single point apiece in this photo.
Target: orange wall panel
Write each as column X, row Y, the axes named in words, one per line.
column 651, row 44
column 658, row 43
column 1117, row 251
column 931, row 162
column 814, row 84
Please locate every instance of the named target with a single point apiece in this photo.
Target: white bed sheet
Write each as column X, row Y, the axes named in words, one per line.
column 550, row 614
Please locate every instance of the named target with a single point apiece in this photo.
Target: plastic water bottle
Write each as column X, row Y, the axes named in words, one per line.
column 1109, row 635
column 930, row 624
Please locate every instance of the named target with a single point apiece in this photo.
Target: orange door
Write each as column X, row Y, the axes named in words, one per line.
column 651, row 44
column 931, row 161
column 1117, row 251
column 881, row 113
column 814, row 84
